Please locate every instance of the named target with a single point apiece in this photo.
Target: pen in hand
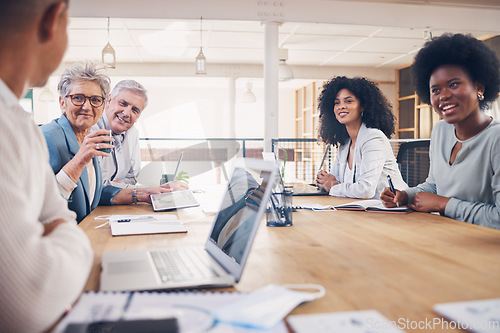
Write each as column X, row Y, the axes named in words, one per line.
column 391, row 186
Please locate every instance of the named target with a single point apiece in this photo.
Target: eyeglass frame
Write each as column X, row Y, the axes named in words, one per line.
column 85, row 100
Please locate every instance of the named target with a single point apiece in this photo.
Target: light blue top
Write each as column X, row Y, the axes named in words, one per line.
column 472, row 181
column 63, row 146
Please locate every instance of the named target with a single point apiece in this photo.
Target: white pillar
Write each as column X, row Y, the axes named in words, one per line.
column 271, row 83
column 232, row 107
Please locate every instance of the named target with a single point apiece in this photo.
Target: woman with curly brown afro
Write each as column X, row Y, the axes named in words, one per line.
column 459, row 75
column 356, row 117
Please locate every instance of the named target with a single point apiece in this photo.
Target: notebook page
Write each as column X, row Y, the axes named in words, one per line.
column 190, row 308
column 157, row 225
column 95, row 306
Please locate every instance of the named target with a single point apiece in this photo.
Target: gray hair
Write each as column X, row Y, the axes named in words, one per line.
column 132, row 85
column 84, row 72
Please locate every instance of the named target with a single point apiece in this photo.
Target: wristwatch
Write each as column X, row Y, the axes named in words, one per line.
column 134, row 196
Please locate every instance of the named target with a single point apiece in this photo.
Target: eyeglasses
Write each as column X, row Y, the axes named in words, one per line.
column 79, row 99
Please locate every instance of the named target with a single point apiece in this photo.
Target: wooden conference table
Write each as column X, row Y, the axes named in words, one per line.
column 398, row 264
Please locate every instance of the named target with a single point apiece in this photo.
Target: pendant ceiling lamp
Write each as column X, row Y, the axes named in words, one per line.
column 248, row 96
column 201, row 61
column 108, row 54
column 285, row 73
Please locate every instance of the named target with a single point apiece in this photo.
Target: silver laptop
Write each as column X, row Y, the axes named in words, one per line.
column 221, row 262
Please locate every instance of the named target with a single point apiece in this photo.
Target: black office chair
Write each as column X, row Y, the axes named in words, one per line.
column 413, row 161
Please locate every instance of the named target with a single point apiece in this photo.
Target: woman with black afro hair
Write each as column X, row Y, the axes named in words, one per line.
column 356, row 117
column 459, row 76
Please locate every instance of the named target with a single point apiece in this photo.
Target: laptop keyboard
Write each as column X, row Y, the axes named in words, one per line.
column 183, row 264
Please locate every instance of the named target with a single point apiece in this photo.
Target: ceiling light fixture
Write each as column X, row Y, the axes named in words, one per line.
column 284, row 71
column 201, row 61
column 108, row 54
column 248, row 96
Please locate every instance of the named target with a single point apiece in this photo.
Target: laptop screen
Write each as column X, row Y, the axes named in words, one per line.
column 235, row 225
column 279, row 184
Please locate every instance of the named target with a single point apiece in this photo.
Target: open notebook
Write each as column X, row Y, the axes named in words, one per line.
column 372, row 205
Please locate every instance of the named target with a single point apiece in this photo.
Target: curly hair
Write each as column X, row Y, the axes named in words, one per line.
column 377, row 110
column 471, row 54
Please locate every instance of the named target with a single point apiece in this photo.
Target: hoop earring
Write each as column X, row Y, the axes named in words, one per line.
column 480, row 96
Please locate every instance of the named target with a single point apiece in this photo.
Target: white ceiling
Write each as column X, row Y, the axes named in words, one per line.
column 389, row 42
column 242, row 42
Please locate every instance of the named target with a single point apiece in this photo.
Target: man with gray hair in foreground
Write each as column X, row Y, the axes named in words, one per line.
column 45, row 258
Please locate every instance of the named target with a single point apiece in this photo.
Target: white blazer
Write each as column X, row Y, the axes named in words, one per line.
column 373, row 161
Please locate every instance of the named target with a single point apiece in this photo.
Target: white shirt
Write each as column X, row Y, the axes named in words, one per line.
column 126, row 156
column 373, row 160
column 348, row 175
column 92, row 180
column 66, row 185
column 40, row 276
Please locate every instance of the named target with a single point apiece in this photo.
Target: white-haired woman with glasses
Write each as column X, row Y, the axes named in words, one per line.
column 73, row 147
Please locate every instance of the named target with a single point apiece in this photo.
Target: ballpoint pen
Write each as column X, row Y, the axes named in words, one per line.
column 125, row 218
column 178, row 163
column 275, row 208
column 138, row 218
column 391, row 186
column 323, row 159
